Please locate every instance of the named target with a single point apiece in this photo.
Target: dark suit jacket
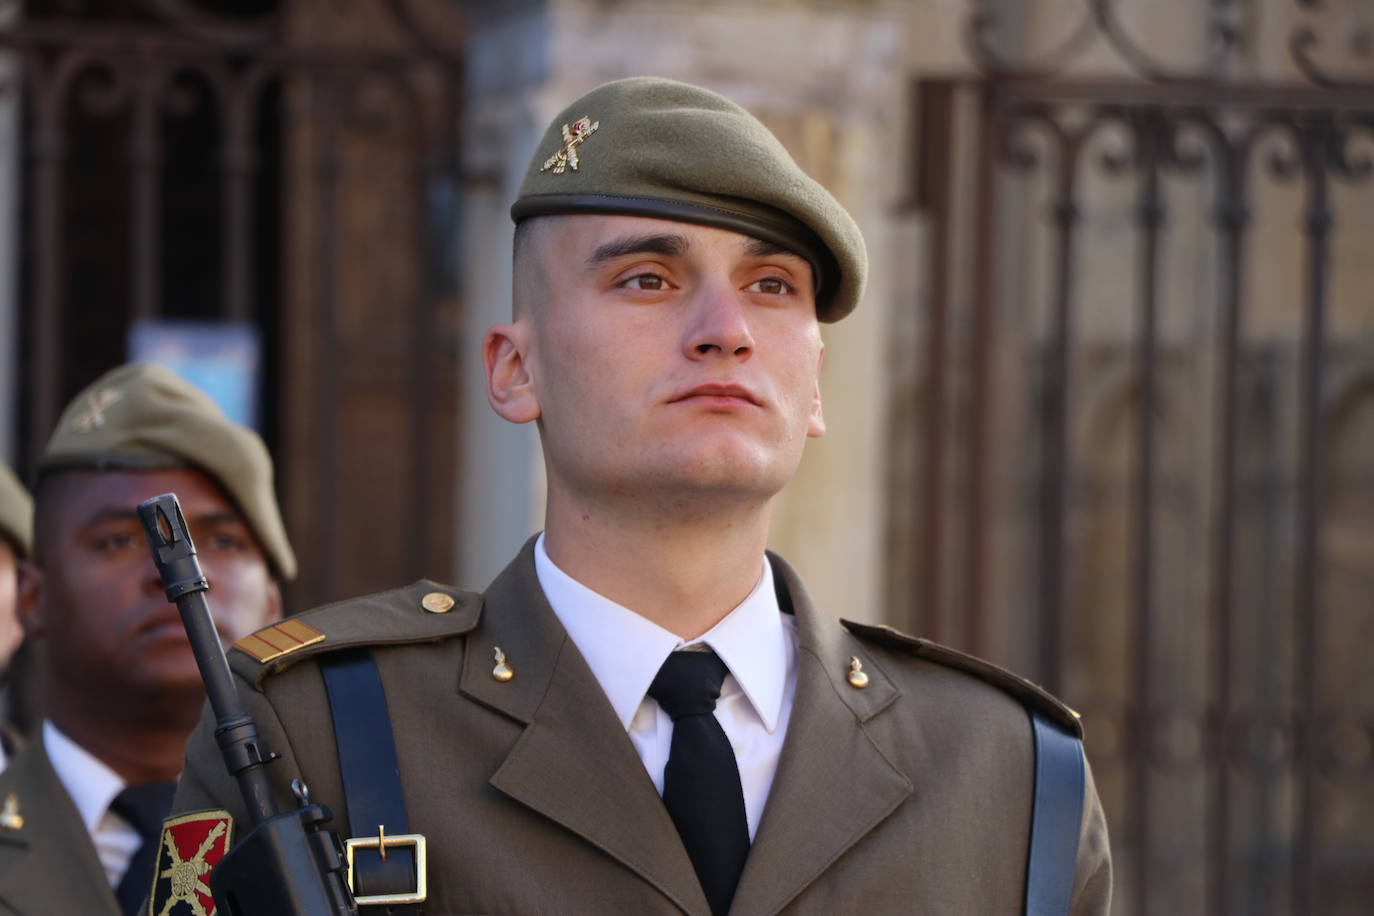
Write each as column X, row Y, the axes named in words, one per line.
column 912, row 795
column 48, row 865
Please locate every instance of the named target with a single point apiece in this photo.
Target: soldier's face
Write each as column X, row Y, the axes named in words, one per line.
column 666, row 357
column 100, row 603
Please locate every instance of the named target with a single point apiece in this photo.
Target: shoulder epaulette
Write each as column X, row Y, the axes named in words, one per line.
column 1028, row 692
column 422, row 612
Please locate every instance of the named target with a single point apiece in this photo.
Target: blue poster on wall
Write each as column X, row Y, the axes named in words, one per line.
column 222, row 358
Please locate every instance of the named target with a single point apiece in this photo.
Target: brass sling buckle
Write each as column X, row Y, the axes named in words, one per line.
column 381, row 842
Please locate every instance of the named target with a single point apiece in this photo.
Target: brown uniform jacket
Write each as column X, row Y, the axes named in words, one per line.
column 912, row 795
column 48, row 865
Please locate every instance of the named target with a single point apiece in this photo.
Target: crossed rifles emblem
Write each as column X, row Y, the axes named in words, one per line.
column 92, row 416
column 573, row 136
column 188, row 875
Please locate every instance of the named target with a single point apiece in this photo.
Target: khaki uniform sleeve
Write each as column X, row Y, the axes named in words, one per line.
column 1092, row 886
column 205, row 781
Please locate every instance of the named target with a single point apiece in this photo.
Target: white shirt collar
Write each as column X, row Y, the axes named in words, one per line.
column 91, row 784
column 625, row 650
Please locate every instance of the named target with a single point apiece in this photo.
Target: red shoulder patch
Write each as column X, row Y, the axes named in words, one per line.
column 192, row 844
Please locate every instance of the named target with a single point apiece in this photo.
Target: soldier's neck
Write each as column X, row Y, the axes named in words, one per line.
column 684, row 574
column 143, row 749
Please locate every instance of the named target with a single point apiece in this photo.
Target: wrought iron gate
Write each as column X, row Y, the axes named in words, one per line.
column 1161, row 393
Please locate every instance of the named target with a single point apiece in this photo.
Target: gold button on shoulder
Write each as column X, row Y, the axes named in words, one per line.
column 503, row 671
column 857, row 679
column 437, row 603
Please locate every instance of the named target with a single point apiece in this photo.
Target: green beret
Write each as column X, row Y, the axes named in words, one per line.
column 654, row 147
column 16, row 512
column 146, row 417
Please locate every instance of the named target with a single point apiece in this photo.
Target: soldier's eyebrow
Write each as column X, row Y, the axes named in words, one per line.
column 758, row 248
column 218, row 517
column 665, row 245
column 110, row 515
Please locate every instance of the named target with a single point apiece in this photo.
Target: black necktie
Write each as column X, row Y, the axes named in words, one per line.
column 701, row 787
column 143, row 806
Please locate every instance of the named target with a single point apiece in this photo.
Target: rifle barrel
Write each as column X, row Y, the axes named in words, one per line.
column 174, row 554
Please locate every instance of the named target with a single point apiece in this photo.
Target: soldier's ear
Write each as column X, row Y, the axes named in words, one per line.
column 815, row 427
column 30, row 592
column 510, row 382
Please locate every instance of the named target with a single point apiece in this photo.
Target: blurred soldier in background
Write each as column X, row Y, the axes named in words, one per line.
column 83, row 803
column 16, row 540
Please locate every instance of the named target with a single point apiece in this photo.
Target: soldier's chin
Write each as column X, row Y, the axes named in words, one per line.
column 172, row 683
column 169, row 663
column 727, row 470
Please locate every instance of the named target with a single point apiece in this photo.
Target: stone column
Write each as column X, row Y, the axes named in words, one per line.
column 501, row 493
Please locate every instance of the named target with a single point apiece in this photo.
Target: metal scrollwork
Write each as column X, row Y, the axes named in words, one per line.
column 1277, row 138
column 980, row 38
column 1223, row 36
column 236, row 32
column 99, row 84
column 244, row 33
column 1187, row 143
column 1351, row 155
column 1120, row 149
column 1100, row 19
column 1305, row 46
column 1320, row 58
column 1017, row 148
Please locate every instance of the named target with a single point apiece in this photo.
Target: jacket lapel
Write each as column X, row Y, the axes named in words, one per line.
column 49, row 864
column 833, row 785
column 574, row 763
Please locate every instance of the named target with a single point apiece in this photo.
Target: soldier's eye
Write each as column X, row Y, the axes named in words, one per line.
column 773, row 286
column 117, row 541
column 646, row 282
column 227, row 541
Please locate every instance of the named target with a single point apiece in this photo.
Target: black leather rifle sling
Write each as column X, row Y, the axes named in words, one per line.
column 1056, row 817
column 371, row 780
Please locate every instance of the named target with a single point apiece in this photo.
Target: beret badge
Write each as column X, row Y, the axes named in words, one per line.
column 573, row 136
column 92, row 416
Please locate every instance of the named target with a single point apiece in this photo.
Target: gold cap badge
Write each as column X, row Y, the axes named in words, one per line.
column 93, row 415
column 573, row 136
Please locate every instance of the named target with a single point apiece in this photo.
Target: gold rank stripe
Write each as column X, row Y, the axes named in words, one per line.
column 278, row 640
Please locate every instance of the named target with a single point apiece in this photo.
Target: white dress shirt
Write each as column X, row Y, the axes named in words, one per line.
column 92, row 786
column 757, row 642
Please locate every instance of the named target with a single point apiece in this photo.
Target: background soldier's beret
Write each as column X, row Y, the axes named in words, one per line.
column 658, row 148
column 146, row 417
column 16, row 512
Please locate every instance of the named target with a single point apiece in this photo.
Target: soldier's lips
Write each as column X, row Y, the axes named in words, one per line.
column 163, row 625
column 718, row 395
column 160, row 625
